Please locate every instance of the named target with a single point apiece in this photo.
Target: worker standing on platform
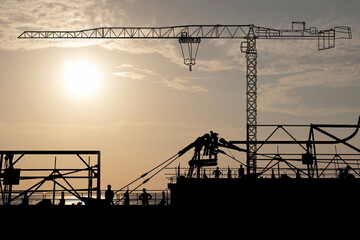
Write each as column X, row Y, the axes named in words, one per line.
column 217, row 172
column 204, row 175
column 241, row 172
column 126, row 198
column 214, row 144
column 229, row 173
column 109, row 196
column 163, row 199
column 145, row 197
column 207, row 143
column 198, row 145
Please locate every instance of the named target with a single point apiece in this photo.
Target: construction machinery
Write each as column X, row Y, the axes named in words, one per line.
column 190, row 36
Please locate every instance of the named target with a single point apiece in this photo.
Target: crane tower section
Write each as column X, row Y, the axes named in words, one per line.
column 190, row 36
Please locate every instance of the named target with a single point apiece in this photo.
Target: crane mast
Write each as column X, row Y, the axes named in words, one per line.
column 190, row 36
column 251, row 100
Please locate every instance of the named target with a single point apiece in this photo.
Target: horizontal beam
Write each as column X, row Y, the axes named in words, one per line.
column 57, row 169
column 52, row 177
column 285, row 142
column 47, row 152
column 313, row 125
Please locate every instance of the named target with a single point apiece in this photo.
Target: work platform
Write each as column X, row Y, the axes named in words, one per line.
column 246, row 208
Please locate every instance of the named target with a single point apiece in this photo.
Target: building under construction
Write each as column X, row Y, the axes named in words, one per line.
column 294, row 170
column 304, row 177
column 291, row 192
column 305, row 170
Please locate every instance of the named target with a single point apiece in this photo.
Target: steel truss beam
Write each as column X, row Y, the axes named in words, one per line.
column 325, row 37
column 308, row 146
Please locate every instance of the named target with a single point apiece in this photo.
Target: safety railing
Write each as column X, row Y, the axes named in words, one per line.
column 327, row 168
column 158, row 197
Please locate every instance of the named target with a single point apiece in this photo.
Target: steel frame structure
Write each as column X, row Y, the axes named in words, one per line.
column 189, row 34
column 309, row 154
column 11, row 175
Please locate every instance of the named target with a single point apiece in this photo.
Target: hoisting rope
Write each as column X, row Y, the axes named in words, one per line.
column 168, row 161
column 232, row 157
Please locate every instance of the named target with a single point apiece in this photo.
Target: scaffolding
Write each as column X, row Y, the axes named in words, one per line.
column 17, row 170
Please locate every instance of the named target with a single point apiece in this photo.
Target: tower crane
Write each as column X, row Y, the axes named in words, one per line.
column 189, row 38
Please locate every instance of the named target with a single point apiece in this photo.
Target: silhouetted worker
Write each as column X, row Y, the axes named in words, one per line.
column 229, row 173
column 109, row 195
column 198, row 144
column 207, row 143
column 241, row 172
column 204, row 176
column 62, row 199
column 145, row 197
column 163, row 199
column 126, row 198
column 214, row 144
column 25, row 201
column 344, row 173
column 217, row 172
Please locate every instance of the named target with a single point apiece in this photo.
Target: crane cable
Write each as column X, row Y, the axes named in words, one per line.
column 232, row 157
column 171, row 159
column 146, row 180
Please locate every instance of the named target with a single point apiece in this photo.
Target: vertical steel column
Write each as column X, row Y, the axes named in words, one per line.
column 8, row 187
column 251, row 100
column 90, row 182
column 98, row 187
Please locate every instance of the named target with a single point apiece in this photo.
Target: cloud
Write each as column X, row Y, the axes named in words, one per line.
column 137, row 68
column 138, row 73
column 288, row 94
column 133, row 72
column 168, row 48
column 19, row 16
column 216, row 65
column 129, row 75
column 184, row 84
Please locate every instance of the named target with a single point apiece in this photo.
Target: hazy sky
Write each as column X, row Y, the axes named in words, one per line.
column 146, row 105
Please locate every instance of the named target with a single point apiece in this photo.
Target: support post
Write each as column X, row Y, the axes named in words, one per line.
column 98, row 187
column 90, row 182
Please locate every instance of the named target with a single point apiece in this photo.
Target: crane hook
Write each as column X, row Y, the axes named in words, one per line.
column 189, row 55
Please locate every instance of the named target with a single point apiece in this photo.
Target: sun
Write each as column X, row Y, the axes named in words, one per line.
column 81, row 78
